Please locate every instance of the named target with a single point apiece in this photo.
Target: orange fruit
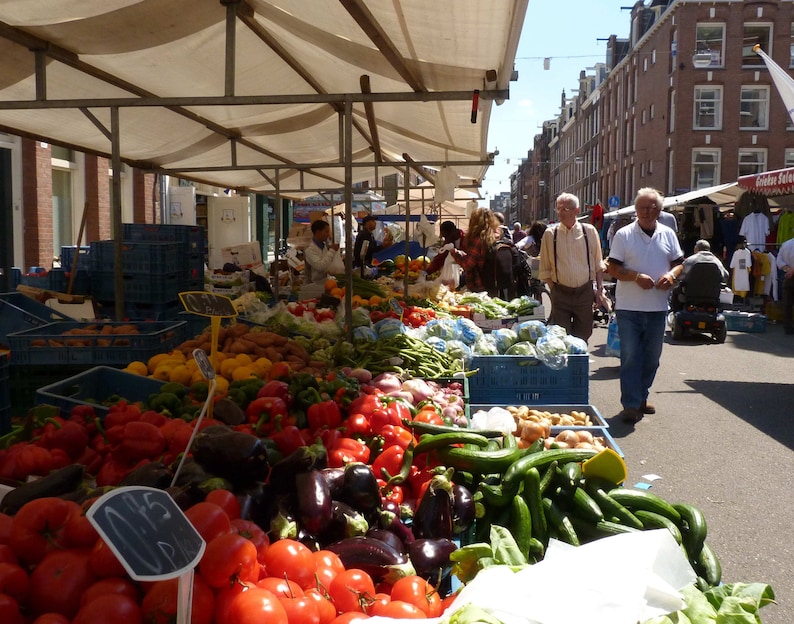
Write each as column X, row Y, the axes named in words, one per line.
column 330, row 284
column 338, row 293
column 138, row 368
column 374, row 300
column 181, row 374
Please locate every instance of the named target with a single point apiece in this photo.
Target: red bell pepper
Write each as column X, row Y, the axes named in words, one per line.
column 67, row 435
column 357, row 424
column 390, row 460
column 265, row 412
column 288, row 439
column 390, row 493
column 121, row 413
column 155, row 418
column 325, row 414
column 113, row 471
column 140, row 440
column 347, row 451
column 276, row 388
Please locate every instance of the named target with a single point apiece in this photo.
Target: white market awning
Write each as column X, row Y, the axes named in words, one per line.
column 251, row 94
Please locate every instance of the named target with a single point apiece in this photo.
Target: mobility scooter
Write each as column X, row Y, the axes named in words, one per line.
column 699, row 300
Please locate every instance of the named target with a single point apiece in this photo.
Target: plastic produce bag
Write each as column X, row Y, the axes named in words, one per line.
column 613, row 338
column 337, row 266
column 468, row 331
column 505, row 338
column 552, row 351
column 443, row 328
column 364, row 334
column 459, row 350
column 450, row 272
column 389, row 327
column 495, row 419
column 576, row 346
column 530, row 330
column 439, row 344
column 425, row 232
column 523, row 347
column 485, row 345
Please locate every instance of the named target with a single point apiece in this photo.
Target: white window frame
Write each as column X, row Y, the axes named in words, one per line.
column 788, row 157
column 700, row 159
column 745, row 116
column 700, row 104
column 702, row 46
column 755, row 163
column 751, row 60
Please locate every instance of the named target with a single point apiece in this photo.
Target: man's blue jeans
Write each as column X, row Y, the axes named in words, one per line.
column 641, row 340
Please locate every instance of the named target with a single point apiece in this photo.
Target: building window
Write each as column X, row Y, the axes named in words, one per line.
column 752, row 161
column 650, row 111
column 708, row 108
column 791, row 47
column 760, row 34
column 788, row 159
column 705, row 168
column 754, row 111
column 709, row 45
column 672, row 111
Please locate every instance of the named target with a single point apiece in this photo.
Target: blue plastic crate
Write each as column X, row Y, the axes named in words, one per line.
column 95, row 386
column 68, row 254
column 191, row 235
column 750, row 322
column 522, row 380
column 597, row 420
column 48, row 345
column 5, row 394
column 138, row 288
column 19, row 312
column 138, row 257
column 54, row 279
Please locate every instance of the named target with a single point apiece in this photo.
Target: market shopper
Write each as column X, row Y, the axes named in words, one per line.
column 477, row 255
column 518, row 232
column 785, row 262
column 368, row 225
column 646, row 259
column 319, row 254
column 702, row 255
column 450, row 235
column 571, row 264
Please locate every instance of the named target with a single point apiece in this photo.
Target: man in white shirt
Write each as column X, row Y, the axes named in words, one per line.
column 646, row 259
column 785, row 262
column 318, row 254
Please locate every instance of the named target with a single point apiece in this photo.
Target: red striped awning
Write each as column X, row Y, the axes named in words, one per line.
column 769, row 183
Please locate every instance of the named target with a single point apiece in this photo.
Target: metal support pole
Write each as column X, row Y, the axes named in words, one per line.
column 348, row 147
column 115, row 211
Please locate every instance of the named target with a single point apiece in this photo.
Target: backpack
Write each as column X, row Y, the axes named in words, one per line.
column 512, row 270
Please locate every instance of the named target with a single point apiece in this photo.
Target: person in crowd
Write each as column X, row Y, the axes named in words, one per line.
column 502, row 230
column 319, row 253
column 368, row 225
column 518, row 232
column 450, row 235
column 646, row 259
column 477, row 254
column 532, row 243
column 572, row 266
column 785, row 262
column 702, row 255
column 668, row 219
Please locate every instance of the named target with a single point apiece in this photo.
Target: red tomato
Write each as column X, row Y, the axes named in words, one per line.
column 291, row 559
column 301, row 610
column 38, row 527
column 430, row 415
column 7, row 554
column 159, row 605
column 325, row 608
column 399, row 609
column 280, row 588
column 255, row 606
column 209, row 519
column 5, row 527
column 351, row 616
column 58, row 582
column 224, row 598
column 252, row 531
column 227, row 558
column 378, row 602
column 14, row 581
column 9, row 611
column 351, row 590
column 110, row 609
column 226, row 500
column 52, row 618
column 79, row 532
column 104, row 562
column 113, row 586
column 328, row 566
column 419, row 592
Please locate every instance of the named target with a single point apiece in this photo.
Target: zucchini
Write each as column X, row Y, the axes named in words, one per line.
column 613, row 509
column 640, row 499
column 561, row 522
column 653, row 520
column 707, row 565
column 693, row 527
column 533, row 498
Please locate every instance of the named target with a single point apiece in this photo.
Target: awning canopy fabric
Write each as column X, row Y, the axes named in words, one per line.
column 770, row 183
column 720, row 194
column 252, row 94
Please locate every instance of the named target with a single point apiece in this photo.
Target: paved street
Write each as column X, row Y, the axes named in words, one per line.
column 722, row 440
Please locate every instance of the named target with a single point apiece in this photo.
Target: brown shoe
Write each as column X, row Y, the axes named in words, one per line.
column 631, row 415
column 647, row 408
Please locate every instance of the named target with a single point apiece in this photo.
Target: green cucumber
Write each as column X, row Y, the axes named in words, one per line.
column 481, row 462
column 521, row 525
column 569, row 475
column 693, row 527
column 613, row 509
column 534, row 500
column 561, row 522
column 582, row 505
column 548, row 476
column 653, row 520
column 514, row 474
column 640, row 499
column 707, row 565
column 429, row 442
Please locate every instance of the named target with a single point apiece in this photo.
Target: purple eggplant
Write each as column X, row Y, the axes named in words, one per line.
column 462, row 509
column 360, row 488
column 378, row 559
column 433, row 517
column 335, row 478
column 392, row 522
column 384, row 535
column 345, row 522
column 431, row 557
column 314, row 501
column 303, row 459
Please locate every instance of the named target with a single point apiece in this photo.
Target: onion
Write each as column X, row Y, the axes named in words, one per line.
column 568, row 437
column 387, row 382
column 362, row 374
column 419, row 388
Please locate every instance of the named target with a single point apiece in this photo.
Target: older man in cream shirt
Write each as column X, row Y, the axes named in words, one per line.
column 572, row 266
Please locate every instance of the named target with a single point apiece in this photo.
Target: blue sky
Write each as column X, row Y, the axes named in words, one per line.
column 566, row 32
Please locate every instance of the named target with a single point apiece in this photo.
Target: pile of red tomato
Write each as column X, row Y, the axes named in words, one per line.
column 55, row 569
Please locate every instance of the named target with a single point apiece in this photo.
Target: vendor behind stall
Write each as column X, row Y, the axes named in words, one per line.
column 450, row 235
column 320, row 256
column 368, row 225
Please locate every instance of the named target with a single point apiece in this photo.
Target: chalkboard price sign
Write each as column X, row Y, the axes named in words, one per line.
column 148, row 532
column 207, row 303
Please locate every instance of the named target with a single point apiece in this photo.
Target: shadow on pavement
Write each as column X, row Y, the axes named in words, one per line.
column 763, row 405
column 774, row 342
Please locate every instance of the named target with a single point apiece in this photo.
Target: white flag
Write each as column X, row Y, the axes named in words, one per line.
column 783, row 81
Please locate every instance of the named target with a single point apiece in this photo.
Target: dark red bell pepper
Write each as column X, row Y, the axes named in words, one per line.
column 325, row 414
column 121, row 413
column 390, row 460
column 66, row 435
column 276, row 388
column 265, row 412
column 288, row 439
column 140, row 440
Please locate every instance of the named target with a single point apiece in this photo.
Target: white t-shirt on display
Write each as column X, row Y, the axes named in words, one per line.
column 651, row 255
column 741, row 262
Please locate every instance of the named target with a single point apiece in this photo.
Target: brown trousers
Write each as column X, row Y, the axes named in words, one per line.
column 572, row 309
